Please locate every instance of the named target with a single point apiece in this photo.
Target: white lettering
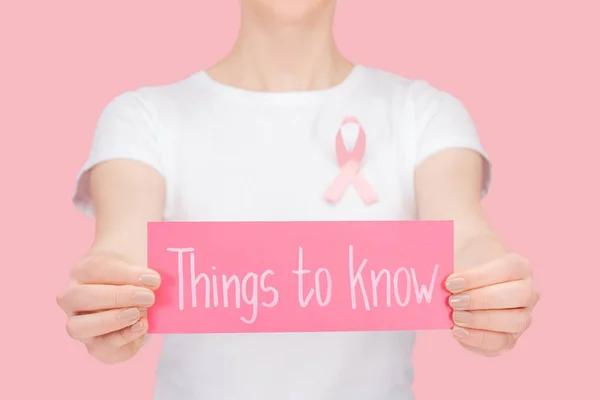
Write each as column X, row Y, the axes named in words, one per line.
column 226, row 284
column 246, row 290
column 320, row 300
column 357, row 278
column 251, row 300
column 180, row 271
column 271, row 289
column 422, row 290
column 215, row 289
column 400, row 302
column 195, row 280
column 300, row 272
column 375, row 278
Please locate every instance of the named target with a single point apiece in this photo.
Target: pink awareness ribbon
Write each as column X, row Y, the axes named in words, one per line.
column 349, row 163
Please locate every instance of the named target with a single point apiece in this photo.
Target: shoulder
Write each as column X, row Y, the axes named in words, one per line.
column 418, row 96
column 152, row 103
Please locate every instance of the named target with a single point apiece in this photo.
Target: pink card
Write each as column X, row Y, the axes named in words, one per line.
column 234, row 277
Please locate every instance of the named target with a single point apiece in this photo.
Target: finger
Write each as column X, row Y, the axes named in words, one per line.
column 536, row 298
column 516, row 294
column 115, row 355
column 86, row 298
column 505, row 269
column 110, row 271
column 480, row 351
column 121, row 337
column 143, row 312
column 484, row 341
column 507, row 321
column 97, row 324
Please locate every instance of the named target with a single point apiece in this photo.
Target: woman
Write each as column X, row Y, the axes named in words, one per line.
column 252, row 139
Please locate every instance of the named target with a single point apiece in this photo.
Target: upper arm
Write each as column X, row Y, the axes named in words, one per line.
column 122, row 183
column 452, row 172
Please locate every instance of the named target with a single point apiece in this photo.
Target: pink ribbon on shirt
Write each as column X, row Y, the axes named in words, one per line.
column 349, row 163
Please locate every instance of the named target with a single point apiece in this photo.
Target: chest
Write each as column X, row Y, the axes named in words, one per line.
column 258, row 167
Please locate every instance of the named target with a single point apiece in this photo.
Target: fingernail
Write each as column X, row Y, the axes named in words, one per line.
column 460, row 333
column 455, row 284
column 143, row 299
column 129, row 315
column 462, row 317
column 460, row 301
column 150, row 280
column 138, row 327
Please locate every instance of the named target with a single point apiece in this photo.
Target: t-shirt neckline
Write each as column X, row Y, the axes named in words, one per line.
column 283, row 98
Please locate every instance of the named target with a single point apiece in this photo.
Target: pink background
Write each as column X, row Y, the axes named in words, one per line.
column 527, row 70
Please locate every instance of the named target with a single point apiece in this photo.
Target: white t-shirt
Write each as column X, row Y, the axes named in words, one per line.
column 229, row 154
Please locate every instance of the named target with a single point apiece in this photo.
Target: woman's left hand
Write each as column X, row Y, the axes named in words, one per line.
column 492, row 304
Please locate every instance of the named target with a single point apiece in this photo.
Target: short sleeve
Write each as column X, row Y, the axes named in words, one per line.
column 444, row 123
column 125, row 130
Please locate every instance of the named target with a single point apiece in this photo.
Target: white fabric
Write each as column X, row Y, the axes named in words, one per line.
column 233, row 155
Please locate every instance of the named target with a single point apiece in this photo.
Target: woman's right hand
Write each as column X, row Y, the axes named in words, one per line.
column 106, row 302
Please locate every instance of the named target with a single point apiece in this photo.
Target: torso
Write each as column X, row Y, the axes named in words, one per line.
column 233, row 156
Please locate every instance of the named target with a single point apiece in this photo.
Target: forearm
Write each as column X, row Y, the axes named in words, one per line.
column 126, row 195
